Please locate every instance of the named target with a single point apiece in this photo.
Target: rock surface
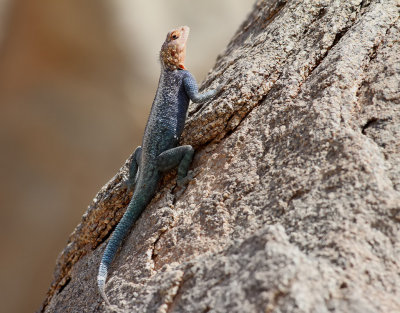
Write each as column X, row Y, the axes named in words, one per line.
column 295, row 204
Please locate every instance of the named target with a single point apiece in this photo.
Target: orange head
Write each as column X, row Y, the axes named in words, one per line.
column 173, row 50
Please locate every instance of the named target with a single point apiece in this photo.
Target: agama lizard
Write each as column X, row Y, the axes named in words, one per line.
column 159, row 151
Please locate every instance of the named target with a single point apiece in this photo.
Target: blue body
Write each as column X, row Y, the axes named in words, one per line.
column 167, row 117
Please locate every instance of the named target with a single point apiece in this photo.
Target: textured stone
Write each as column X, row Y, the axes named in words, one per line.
column 295, row 204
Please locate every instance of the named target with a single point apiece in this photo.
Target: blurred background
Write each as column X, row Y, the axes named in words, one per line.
column 77, row 79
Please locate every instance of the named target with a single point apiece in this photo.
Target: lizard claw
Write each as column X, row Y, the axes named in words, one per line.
column 219, row 89
column 181, row 182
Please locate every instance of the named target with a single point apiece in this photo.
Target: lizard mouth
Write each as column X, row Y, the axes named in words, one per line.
column 184, row 35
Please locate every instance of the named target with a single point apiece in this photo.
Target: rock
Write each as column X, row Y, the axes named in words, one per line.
column 295, row 204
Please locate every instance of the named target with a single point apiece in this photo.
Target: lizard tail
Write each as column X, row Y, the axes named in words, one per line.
column 135, row 208
column 101, row 282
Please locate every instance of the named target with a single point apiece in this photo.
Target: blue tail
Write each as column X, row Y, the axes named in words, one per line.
column 135, row 208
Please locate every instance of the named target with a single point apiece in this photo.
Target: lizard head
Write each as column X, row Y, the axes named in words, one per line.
column 173, row 50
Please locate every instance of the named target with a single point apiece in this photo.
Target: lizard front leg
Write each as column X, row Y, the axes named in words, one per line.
column 193, row 92
column 181, row 156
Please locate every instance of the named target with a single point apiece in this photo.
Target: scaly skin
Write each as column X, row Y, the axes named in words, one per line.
column 159, row 151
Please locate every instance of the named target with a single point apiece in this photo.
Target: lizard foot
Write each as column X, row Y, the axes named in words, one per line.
column 182, row 183
column 128, row 185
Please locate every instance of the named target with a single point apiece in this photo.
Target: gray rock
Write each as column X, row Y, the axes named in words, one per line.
column 295, row 204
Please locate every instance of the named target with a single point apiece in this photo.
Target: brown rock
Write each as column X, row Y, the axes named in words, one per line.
column 295, row 205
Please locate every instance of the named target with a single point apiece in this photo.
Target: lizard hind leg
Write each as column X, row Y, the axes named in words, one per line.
column 180, row 157
column 133, row 169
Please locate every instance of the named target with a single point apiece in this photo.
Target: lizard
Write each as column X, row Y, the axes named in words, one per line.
column 159, row 151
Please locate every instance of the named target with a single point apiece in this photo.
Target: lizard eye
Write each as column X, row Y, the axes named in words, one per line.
column 174, row 36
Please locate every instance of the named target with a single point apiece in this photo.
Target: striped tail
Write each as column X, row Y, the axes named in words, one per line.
column 135, row 208
column 101, row 282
